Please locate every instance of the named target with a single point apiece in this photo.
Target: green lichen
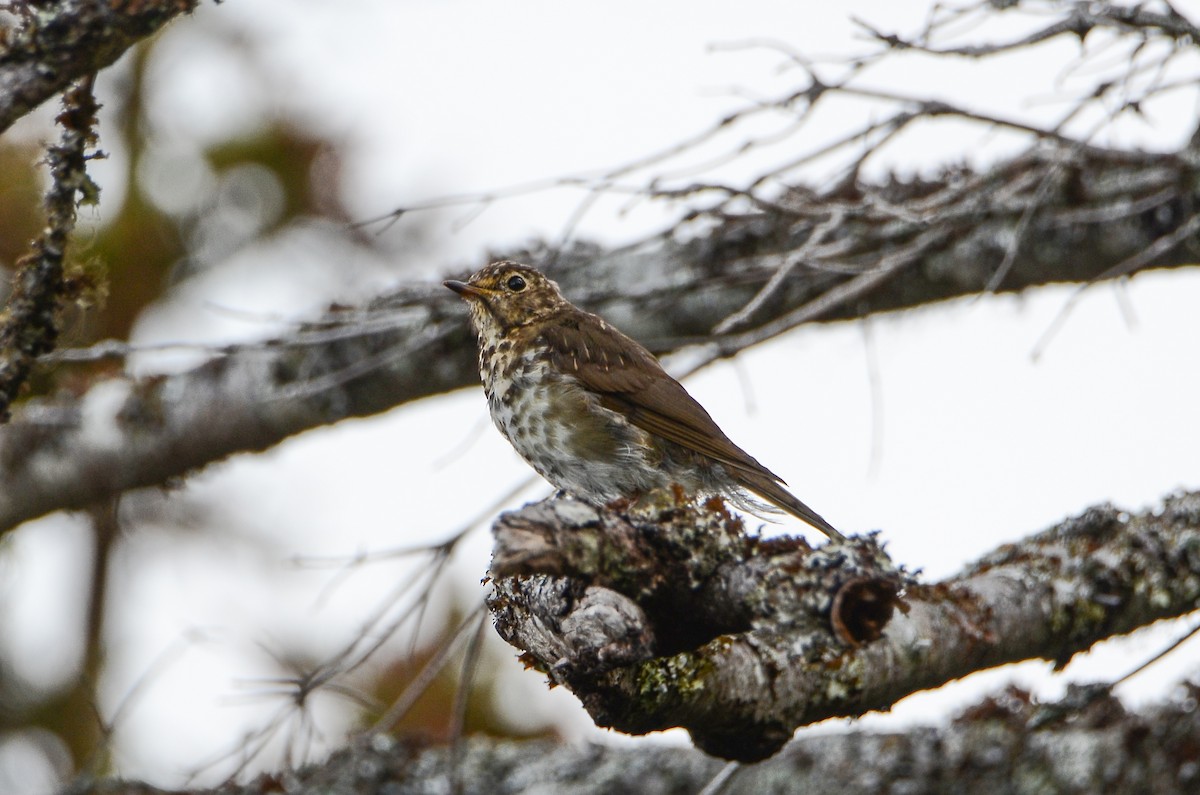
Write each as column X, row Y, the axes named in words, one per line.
column 681, row 676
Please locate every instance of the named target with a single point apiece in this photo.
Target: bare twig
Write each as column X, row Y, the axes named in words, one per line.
column 741, row 318
column 1158, row 248
column 426, row 676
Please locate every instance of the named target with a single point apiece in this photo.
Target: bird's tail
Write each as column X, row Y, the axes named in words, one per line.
column 772, row 491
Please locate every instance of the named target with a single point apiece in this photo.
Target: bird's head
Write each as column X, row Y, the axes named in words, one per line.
column 507, row 295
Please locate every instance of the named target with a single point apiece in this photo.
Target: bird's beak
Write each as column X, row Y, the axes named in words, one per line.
column 464, row 289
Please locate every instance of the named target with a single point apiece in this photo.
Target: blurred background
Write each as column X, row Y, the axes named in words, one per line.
column 248, row 141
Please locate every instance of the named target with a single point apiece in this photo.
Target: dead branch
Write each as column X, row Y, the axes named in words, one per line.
column 1078, row 19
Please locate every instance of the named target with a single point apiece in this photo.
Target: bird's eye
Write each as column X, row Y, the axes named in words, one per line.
column 516, row 284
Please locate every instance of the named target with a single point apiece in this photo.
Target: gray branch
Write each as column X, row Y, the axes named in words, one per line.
column 59, row 41
column 692, row 623
column 126, row 434
column 1008, row 743
column 29, row 325
column 1063, row 211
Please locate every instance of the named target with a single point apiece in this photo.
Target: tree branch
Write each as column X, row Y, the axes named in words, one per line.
column 128, row 433
column 1085, row 743
column 1061, row 211
column 29, row 325
column 63, row 40
column 741, row 641
column 1078, row 20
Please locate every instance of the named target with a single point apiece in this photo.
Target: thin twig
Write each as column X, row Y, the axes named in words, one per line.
column 461, row 700
column 1158, row 248
column 741, row 318
column 428, row 673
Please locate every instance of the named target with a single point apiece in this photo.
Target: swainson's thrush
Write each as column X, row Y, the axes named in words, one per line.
column 592, row 410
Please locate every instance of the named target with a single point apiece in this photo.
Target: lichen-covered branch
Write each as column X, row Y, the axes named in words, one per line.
column 1008, row 743
column 127, row 433
column 59, row 41
column 1064, row 210
column 666, row 293
column 29, row 324
column 741, row 641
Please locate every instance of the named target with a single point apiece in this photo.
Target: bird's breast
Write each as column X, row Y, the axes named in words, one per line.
column 533, row 405
column 558, row 426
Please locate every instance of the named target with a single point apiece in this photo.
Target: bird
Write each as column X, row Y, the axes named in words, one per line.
column 592, row 410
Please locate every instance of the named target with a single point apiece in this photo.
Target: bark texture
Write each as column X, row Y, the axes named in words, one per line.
column 59, row 41
column 687, row 621
column 1084, row 745
column 29, row 325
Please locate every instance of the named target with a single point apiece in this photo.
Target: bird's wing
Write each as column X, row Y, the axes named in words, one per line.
column 629, row 379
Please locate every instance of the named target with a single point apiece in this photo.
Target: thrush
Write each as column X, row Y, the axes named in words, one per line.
column 592, row 410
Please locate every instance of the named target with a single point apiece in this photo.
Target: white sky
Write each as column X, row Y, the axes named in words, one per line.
column 977, row 443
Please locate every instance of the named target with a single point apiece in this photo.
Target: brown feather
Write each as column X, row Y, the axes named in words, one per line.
column 629, row 379
column 634, row 382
